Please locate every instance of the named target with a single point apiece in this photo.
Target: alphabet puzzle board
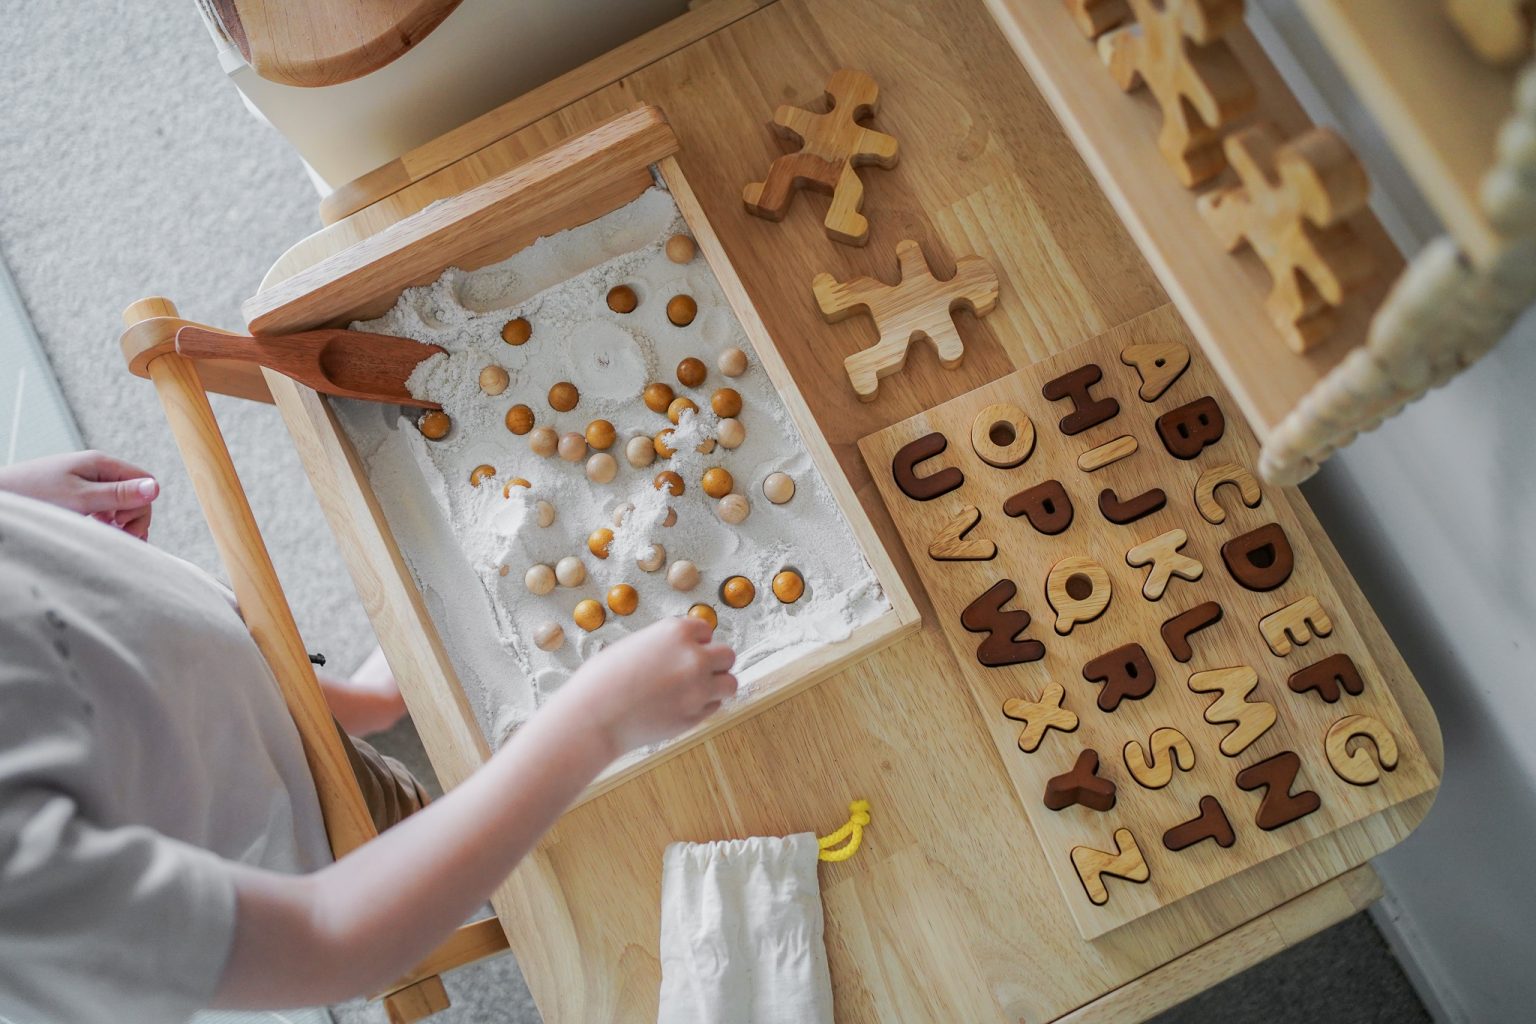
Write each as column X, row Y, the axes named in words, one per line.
column 1177, row 690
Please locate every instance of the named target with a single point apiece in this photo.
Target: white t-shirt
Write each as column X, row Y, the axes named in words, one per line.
column 143, row 742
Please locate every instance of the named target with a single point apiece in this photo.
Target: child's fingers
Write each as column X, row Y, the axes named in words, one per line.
column 724, row 685
column 719, row 657
column 136, row 522
column 119, row 495
column 696, row 630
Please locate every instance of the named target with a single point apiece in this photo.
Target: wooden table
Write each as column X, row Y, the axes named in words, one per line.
column 949, row 912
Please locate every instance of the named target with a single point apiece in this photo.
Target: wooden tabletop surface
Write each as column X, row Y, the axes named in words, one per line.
column 949, row 912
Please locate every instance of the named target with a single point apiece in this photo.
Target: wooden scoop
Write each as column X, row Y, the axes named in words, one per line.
column 334, row 361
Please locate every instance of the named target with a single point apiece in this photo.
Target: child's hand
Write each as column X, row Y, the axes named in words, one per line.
column 655, row 684
column 90, row 483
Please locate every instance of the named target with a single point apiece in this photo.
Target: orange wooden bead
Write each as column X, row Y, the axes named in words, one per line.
column 622, row 299
column 737, row 592
column 681, row 310
column 599, row 540
column 705, row 612
column 657, row 396
column 726, row 402
column 517, row 481
column 479, row 473
column 600, row 434
column 717, row 482
column 669, row 480
column 434, row 425
column 788, row 586
column 564, row 396
column 589, row 615
column 623, row 599
column 519, row 419
column 516, row 332
column 691, row 372
column 678, row 407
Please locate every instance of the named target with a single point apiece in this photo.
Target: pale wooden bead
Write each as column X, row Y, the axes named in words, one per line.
column 730, row 432
column 683, row 575
column 621, row 512
column 640, row 451
column 545, row 512
column 570, row 571
column 732, row 362
column 652, row 558
column 573, row 447
column 539, row 579
column 494, row 380
column 778, row 487
column 734, row 508
column 548, row 636
column 680, row 249
column 543, row 441
column 602, row 468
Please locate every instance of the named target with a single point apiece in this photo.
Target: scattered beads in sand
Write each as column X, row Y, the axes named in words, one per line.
column 599, row 541
column 622, row 299
column 788, row 586
column 564, row 396
column 734, row 509
column 670, row 481
column 434, row 425
column 657, row 396
column 660, row 446
column 726, row 402
column 570, row 571
column 737, row 591
column 517, row 481
column 545, row 512
column 589, row 615
column 481, row 472
column 516, row 332
column 494, row 380
column 730, row 433
column 732, row 362
column 600, row 435
column 778, row 487
column 678, row 407
column 640, row 451
column 519, row 419
column 681, row 309
column 543, row 441
column 691, row 372
column 680, row 249
column 717, row 482
column 623, row 599
column 539, row 579
column 573, row 447
column 548, row 636
column 602, row 468
column 652, row 558
column 706, row 613
column 683, row 575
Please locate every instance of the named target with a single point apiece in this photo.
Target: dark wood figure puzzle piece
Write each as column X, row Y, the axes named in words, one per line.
column 1003, row 628
column 1260, row 559
column 1190, row 429
column 1278, row 806
column 1126, row 672
column 1177, row 630
column 1327, row 677
column 1128, row 511
column 924, row 488
column 1087, row 411
column 1081, row 785
column 1047, row 506
column 1211, row 824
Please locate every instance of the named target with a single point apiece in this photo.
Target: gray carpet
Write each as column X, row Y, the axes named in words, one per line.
column 129, row 167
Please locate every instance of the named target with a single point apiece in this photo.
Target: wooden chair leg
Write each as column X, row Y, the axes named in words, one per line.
column 419, row 1001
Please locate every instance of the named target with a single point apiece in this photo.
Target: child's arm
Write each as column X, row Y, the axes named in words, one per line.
column 355, row 926
column 91, row 483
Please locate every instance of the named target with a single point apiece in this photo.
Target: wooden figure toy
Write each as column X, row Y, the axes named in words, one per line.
column 832, row 146
column 917, row 307
column 1291, row 209
column 1176, row 49
column 1126, row 862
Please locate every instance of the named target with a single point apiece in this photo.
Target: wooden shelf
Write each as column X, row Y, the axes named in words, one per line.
column 1220, row 296
column 1440, row 106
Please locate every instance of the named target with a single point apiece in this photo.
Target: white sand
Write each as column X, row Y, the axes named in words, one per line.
column 456, row 538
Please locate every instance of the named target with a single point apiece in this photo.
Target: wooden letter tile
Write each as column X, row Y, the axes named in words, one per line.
column 1158, row 364
column 1211, row 824
column 1095, row 459
column 1078, row 589
column 924, row 488
column 1046, row 505
column 1190, row 429
column 1126, row 672
column 1126, row 862
column 1250, row 718
column 1178, row 629
column 1004, row 629
column 1002, row 435
column 1122, row 513
column 1327, row 677
column 1278, row 806
column 1153, row 767
column 1081, row 785
column 1356, row 766
column 1076, row 387
column 951, row 545
column 1039, row 716
column 1260, row 559
column 1295, row 625
column 1246, row 485
column 1163, row 560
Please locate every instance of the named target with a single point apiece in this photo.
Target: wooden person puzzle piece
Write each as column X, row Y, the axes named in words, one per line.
column 1163, row 561
column 1108, row 453
column 1327, row 677
column 1076, row 387
column 1175, row 48
column 1295, row 625
column 1002, row 435
column 1355, row 765
column 1178, row 629
column 1291, row 209
column 1158, row 364
column 1122, row 512
column 924, row 488
column 1078, row 590
column 950, row 544
column 832, row 146
column 1260, row 559
column 1278, row 806
column 918, row 306
column 1244, row 482
column 1046, row 505
column 1126, row 672
column 1126, row 862
column 1211, row 823
column 1250, row 719
column 1002, row 645
column 1166, row 749
column 1039, row 716
column 1082, row 785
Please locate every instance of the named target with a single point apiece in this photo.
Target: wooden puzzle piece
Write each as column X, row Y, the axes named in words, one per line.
column 1087, row 411
column 1002, row 645
column 1278, row 806
column 1212, row 823
column 1499, row 30
column 950, row 543
column 1327, row 677
column 1356, row 765
column 1039, row 716
column 1081, row 785
column 1126, row 672
column 1093, row 865
column 1190, row 429
column 1177, row 630
column 1260, row 559
column 1046, row 505
column 1078, row 590
column 1250, row 719
column 1163, row 561
column 1166, row 749
column 1095, row 17
column 1291, row 209
column 832, row 146
column 1109, row 452
column 1003, row 435
column 924, row 488
column 1123, row 512
column 1176, row 49
column 918, row 306
column 1244, row 482
column 1295, row 625
column 1158, row 364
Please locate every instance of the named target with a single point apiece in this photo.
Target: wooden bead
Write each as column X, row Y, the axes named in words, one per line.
column 679, row 406
column 622, row 299
column 683, row 575
column 737, row 592
column 640, row 451
column 732, row 362
column 570, row 571
column 434, row 425
column 519, row 419
column 589, row 615
column 681, row 309
column 481, row 472
column 517, row 481
column 548, row 636
column 573, row 447
column 657, row 396
column 680, row 249
column 494, row 380
column 623, row 599
column 564, row 396
column 734, row 508
column 652, row 558
column 671, row 517
column 726, row 402
column 778, row 487
column 599, row 540
column 600, row 435
column 539, row 579
column 504, row 569
column 691, row 372
column 516, row 332
column 731, row 433
column 622, row 512
column 660, row 446
column 717, row 482
column 545, row 511
column 672, row 482
column 788, row 586
column 543, row 441
column 602, row 468
column 705, row 612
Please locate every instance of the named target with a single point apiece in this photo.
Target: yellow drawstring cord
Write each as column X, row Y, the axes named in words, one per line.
column 852, row 831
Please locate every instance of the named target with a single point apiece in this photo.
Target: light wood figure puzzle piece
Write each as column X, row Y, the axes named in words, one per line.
column 1244, row 482
column 1250, row 719
column 1126, row 862
column 1095, row 17
column 1355, row 764
column 1295, row 625
column 1163, row 561
column 1499, row 30
column 1175, row 48
column 918, row 307
column 1153, row 766
column 950, row 544
column 1078, row 590
column 1291, row 209
column 832, row 146
column 1040, row 716
column 1158, row 364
